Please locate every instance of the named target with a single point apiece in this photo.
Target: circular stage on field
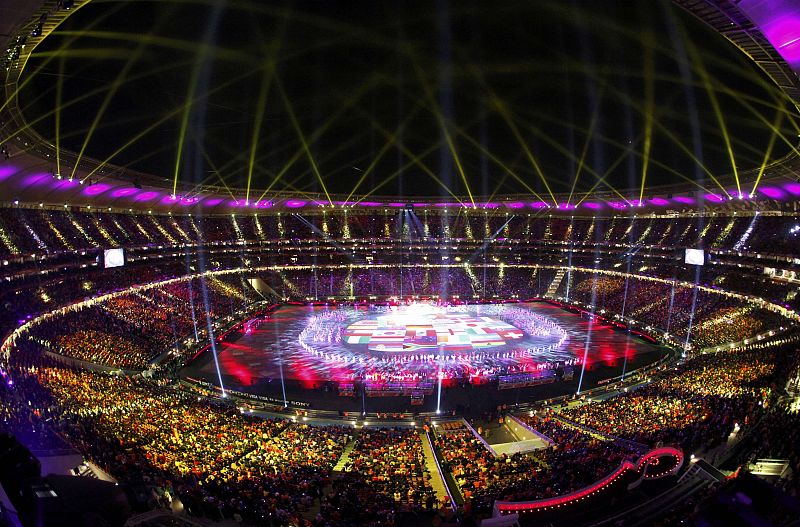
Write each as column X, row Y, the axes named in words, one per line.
column 316, row 352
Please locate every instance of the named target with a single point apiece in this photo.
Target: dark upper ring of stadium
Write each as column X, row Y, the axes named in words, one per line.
column 441, row 103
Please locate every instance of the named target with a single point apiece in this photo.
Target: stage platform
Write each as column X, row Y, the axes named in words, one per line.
column 389, row 358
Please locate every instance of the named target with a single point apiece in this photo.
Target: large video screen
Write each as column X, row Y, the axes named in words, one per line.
column 695, row 257
column 113, row 258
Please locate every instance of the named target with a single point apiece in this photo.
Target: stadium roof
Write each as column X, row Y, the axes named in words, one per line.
column 519, row 106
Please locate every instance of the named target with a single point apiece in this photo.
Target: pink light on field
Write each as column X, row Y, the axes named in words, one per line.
column 295, row 203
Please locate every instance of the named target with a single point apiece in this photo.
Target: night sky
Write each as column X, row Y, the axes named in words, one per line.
column 412, row 98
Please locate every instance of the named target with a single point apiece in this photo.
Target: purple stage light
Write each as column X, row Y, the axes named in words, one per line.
column 683, row 199
column 146, row 196
column 263, row 204
column 397, row 205
column 619, row 205
column 362, row 203
column 592, row 205
column 295, row 203
column 65, row 184
column 36, row 179
column 772, row 192
column 792, row 188
column 515, row 205
column 659, row 201
column 779, row 20
column 122, row 192
column 6, row 172
column 212, row 201
column 538, row 205
column 715, row 198
column 96, row 189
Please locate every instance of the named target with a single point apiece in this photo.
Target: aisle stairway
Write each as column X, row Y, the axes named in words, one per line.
column 551, row 291
column 437, row 481
column 345, row 458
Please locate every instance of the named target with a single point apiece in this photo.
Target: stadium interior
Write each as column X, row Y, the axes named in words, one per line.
column 399, row 263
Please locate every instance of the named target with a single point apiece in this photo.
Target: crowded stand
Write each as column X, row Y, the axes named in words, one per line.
column 696, row 406
column 391, row 462
column 366, row 264
column 225, row 462
column 159, row 438
column 479, row 475
column 32, row 230
column 708, row 317
column 127, row 331
column 574, row 459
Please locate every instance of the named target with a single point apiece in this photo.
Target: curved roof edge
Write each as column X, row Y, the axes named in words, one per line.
column 27, row 174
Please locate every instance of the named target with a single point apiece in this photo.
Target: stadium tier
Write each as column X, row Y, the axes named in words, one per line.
column 354, row 263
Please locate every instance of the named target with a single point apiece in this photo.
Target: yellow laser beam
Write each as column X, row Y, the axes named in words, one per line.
column 261, row 105
column 649, row 103
column 443, row 126
column 390, row 141
column 166, row 117
column 585, row 148
column 298, row 130
column 118, row 81
column 346, row 105
column 768, row 153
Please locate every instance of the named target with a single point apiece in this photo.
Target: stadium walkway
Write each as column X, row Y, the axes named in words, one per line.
column 437, row 481
column 345, row 457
